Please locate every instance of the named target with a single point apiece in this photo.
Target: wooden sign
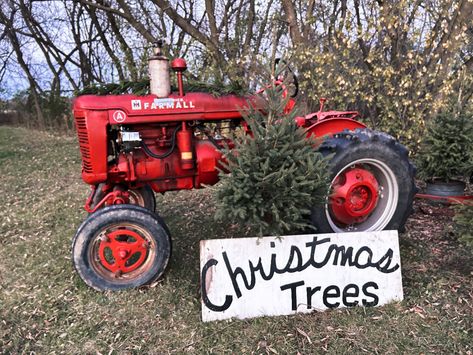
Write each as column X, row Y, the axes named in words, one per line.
column 253, row 277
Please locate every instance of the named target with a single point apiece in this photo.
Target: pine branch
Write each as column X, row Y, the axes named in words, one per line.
column 141, row 88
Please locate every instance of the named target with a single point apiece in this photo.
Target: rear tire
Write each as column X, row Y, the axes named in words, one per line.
column 121, row 247
column 142, row 196
column 372, row 183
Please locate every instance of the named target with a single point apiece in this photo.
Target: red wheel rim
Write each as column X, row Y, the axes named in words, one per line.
column 354, row 196
column 127, row 248
column 122, row 251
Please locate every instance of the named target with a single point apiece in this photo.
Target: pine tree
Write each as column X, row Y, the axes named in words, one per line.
column 447, row 150
column 275, row 173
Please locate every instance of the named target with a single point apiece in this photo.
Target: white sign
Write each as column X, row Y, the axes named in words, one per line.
column 253, row 277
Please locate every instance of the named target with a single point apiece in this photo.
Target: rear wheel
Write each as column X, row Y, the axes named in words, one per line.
column 372, row 184
column 121, row 247
column 142, row 196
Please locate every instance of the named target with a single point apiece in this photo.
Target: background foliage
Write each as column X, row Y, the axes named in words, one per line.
column 398, row 62
column 446, row 151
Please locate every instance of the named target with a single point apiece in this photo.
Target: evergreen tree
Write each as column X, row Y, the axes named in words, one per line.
column 446, row 151
column 275, row 173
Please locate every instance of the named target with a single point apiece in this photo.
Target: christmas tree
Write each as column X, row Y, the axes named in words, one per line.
column 275, row 174
column 446, row 152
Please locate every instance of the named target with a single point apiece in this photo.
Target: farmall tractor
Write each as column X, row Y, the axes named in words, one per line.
column 134, row 146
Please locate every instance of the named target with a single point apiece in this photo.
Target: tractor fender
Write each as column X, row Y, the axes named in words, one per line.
column 331, row 126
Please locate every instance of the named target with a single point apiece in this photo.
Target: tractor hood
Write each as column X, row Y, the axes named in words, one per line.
column 129, row 109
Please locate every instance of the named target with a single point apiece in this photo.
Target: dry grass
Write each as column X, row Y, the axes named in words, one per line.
column 46, row 308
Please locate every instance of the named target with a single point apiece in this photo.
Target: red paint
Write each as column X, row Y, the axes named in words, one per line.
column 116, row 197
column 91, row 128
column 454, row 200
column 193, row 106
column 179, row 65
column 354, row 196
column 331, row 126
column 184, row 142
column 122, row 251
column 193, row 162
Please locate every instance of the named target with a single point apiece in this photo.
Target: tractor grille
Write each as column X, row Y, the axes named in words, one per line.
column 81, row 124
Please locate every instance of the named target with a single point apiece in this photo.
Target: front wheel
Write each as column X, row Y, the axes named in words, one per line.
column 121, row 247
column 372, row 186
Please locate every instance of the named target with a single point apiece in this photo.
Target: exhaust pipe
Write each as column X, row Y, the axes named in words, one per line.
column 160, row 82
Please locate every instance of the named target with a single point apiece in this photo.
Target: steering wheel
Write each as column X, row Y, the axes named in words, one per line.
column 294, row 82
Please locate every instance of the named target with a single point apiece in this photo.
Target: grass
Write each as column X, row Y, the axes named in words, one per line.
column 46, row 308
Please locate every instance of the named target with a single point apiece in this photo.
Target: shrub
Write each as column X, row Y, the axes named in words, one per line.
column 275, row 174
column 446, row 151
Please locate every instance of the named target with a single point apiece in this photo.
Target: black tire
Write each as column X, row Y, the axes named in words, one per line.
column 387, row 161
column 144, row 197
column 121, row 226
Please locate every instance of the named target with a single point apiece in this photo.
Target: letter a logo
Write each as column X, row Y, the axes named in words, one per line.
column 119, row 116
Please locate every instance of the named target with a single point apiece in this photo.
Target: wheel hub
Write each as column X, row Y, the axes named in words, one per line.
column 354, row 196
column 122, row 251
column 123, row 254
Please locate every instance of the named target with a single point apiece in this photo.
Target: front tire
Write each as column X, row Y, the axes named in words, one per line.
column 121, row 247
column 372, row 183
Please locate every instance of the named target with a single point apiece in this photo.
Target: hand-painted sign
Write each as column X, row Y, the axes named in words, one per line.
column 252, row 277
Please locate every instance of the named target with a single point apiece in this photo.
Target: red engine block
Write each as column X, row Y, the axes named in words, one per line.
column 168, row 154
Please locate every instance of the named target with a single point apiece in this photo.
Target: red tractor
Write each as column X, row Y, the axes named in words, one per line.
column 133, row 146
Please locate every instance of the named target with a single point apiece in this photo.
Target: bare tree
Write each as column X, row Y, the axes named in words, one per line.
column 8, row 21
column 334, row 44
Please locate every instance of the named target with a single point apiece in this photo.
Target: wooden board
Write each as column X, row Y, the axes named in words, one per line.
column 253, row 277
